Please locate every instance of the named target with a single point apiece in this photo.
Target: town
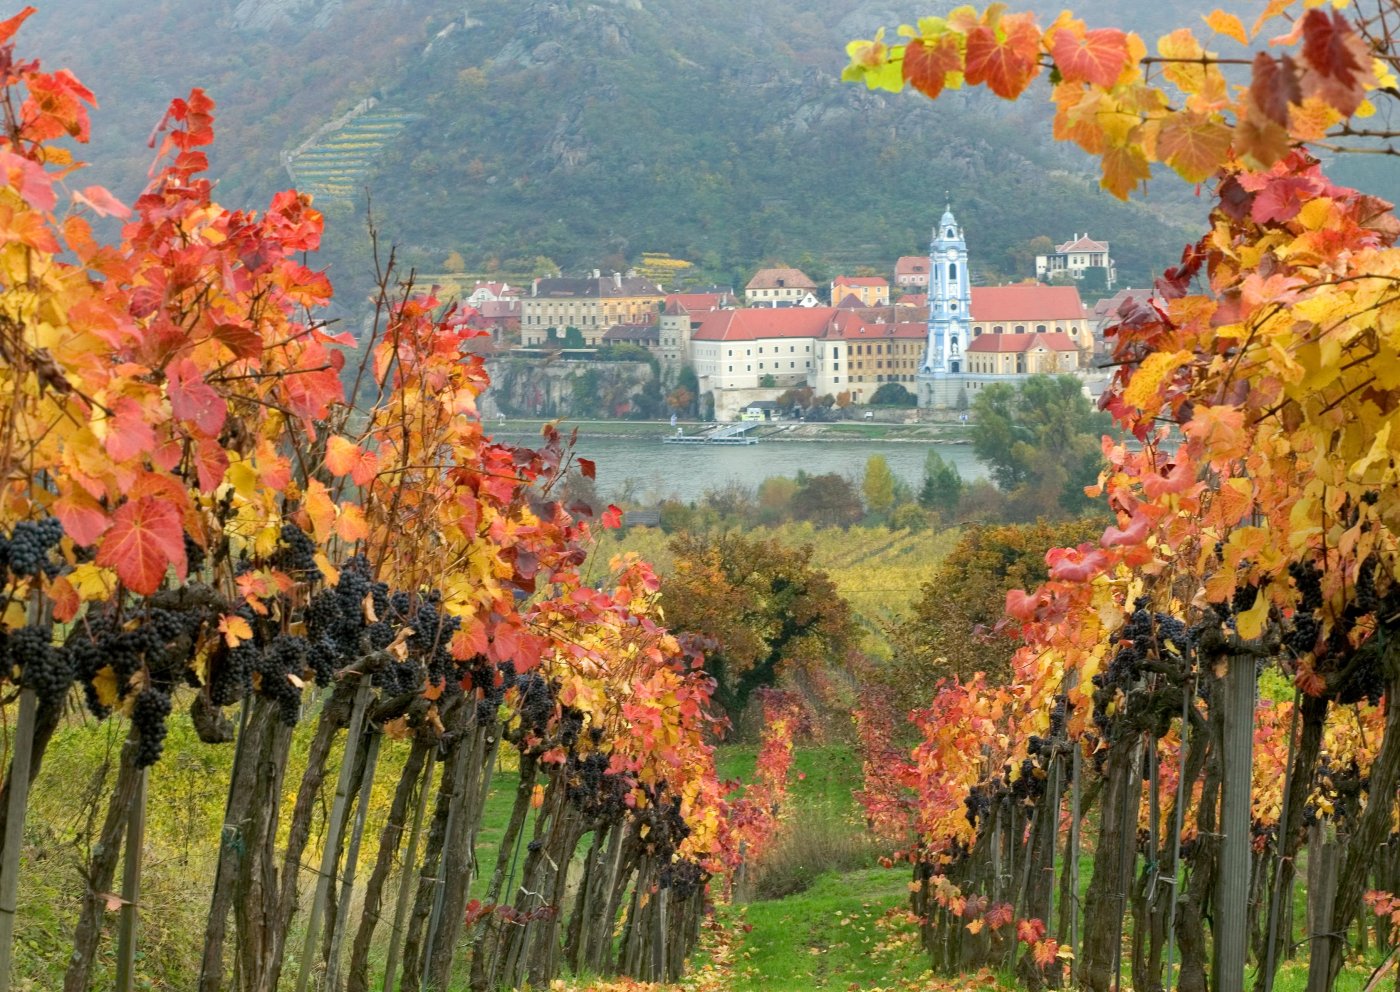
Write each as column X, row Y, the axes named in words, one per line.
column 925, row 339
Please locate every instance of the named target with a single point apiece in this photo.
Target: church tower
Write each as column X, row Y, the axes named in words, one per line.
column 949, row 300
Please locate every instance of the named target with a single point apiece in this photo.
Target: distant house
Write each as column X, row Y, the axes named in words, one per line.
column 1030, row 308
column 914, row 300
column 1106, row 313
column 591, row 304
column 911, row 272
column 1074, row 258
column 761, row 410
column 680, row 316
column 1022, row 354
column 647, row 336
column 491, row 292
column 502, row 317
column 871, row 291
column 776, row 287
column 736, row 349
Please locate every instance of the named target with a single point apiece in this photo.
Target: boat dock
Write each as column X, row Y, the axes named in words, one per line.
column 722, row 434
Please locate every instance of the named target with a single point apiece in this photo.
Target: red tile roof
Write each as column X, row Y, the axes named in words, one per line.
column 780, row 279
column 1029, row 301
column 911, row 265
column 697, row 302
column 752, row 323
column 499, row 309
column 1082, row 243
column 1011, row 343
column 914, row 300
column 849, row 327
column 874, row 282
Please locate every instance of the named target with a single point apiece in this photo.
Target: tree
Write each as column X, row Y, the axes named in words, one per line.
column 768, row 381
column 828, row 500
column 767, row 613
column 943, row 484
column 680, row 400
column 454, row 262
column 878, row 485
column 1041, row 441
column 893, row 394
column 949, row 629
column 573, row 338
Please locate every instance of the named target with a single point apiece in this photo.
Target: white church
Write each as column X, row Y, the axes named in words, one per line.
column 981, row 335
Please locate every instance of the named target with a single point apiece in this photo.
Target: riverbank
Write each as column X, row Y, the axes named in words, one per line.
column 793, row 431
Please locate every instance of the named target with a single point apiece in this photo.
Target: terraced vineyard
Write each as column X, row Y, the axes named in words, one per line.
column 338, row 163
column 878, row 570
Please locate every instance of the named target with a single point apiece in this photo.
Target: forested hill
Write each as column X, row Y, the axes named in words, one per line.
column 589, row 131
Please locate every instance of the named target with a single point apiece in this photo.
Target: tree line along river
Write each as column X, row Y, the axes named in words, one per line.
column 645, row 470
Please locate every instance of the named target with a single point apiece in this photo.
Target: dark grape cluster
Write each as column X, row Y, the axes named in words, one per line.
column 30, row 654
column 148, row 714
column 194, row 554
column 683, row 878
column 535, row 703
column 593, row 791
column 28, row 549
column 1145, row 637
column 279, row 668
column 296, row 554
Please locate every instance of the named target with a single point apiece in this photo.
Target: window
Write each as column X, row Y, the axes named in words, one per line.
column 953, row 272
column 836, row 378
column 1040, row 328
column 949, row 233
column 1020, row 328
column 997, row 329
column 731, row 368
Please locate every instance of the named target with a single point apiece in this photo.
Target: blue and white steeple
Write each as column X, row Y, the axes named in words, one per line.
column 949, row 298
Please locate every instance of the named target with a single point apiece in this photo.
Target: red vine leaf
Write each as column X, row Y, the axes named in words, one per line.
column 145, row 539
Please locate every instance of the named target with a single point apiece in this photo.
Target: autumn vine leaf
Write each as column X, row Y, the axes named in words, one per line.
column 1131, row 109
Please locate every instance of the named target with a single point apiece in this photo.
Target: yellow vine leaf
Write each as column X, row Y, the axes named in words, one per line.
column 1223, row 22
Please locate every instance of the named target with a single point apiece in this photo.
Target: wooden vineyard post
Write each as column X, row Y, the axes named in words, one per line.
column 131, row 888
column 23, row 751
column 333, row 828
column 1266, row 980
column 352, row 857
column 410, row 859
column 1230, row 930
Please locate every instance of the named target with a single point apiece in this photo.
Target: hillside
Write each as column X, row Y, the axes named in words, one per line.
column 587, row 132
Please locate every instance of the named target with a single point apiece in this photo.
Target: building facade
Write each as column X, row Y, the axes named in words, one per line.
column 779, row 287
column 592, row 305
column 870, row 291
column 1074, row 258
column 911, row 273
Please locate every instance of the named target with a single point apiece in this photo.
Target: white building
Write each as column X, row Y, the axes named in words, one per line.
column 1074, row 258
column 780, row 287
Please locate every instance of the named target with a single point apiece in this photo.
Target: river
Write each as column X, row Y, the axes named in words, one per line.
column 647, row 471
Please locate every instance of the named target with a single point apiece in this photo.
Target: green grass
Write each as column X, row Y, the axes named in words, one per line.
column 825, row 937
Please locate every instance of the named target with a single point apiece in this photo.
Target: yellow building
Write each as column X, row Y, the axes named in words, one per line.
column 1025, row 353
column 592, row 305
column 872, row 291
